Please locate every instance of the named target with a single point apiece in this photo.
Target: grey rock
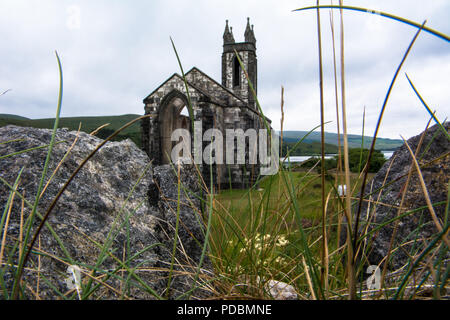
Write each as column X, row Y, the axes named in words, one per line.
column 112, row 197
column 419, row 225
column 279, row 290
column 181, row 200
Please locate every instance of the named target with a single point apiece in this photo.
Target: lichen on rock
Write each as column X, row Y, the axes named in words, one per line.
column 108, row 200
column 414, row 231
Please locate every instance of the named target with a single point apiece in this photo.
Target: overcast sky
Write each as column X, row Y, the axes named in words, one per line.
column 115, row 52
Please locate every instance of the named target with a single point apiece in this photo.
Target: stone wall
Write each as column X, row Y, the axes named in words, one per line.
column 213, row 105
column 247, row 55
column 224, row 96
column 220, row 106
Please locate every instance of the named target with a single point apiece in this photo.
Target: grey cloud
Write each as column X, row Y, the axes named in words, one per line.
column 122, row 51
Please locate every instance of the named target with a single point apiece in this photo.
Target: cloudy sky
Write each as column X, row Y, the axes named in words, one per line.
column 115, row 52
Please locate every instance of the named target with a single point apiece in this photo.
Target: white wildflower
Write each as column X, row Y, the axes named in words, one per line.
column 74, row 280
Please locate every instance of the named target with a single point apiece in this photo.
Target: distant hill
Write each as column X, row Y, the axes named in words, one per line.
column 354, row 141
column 88, row 124
column 309, row 146
column 12, row 116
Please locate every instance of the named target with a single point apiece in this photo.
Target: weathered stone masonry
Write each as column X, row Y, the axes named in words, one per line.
column 230, row 105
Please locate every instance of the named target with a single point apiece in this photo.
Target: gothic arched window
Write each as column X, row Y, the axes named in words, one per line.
column 236, row 72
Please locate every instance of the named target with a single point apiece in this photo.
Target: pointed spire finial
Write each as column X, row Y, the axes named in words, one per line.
column 249, row 33
column 227, row 35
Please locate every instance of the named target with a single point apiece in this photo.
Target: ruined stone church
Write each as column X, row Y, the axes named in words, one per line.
column 226, row 105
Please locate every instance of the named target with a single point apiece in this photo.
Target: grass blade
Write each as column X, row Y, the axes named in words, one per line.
column 61, row 191
column 380, row 117
column 348, row 202
column 382, row 14
column 428, row 108
column 324, row 269
column 23, row 258
column 420, row 258
column 426, row 195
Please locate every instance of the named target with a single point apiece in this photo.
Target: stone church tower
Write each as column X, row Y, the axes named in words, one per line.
column 233, row 76
column 227, row 106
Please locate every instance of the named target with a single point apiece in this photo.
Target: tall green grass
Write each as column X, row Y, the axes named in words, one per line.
column 248, row 223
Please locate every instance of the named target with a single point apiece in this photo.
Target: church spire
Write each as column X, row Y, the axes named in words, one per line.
column 249, row 33
column 228, row 35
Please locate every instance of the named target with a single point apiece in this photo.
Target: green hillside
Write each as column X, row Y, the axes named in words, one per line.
column 12, row 116
column 306, row 149
column 354, row 141
column 88, row 124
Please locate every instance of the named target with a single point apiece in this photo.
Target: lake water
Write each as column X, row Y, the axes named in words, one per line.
column 387, row 155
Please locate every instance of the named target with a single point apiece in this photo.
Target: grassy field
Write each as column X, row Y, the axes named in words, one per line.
column 308, row 190
column 255, row 232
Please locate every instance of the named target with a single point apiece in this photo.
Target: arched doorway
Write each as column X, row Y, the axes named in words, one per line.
column 173, row 115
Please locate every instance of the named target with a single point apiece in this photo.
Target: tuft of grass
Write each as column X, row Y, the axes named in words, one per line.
column 247, row 223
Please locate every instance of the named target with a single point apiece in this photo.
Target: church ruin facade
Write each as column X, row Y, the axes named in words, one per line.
column 227, row 105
